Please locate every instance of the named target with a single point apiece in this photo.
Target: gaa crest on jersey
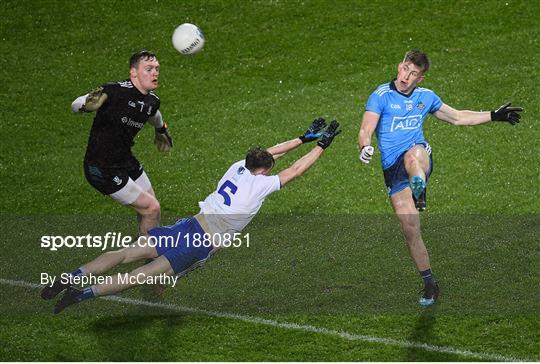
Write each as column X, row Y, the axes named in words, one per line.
column 421, row 106
column 117, row 180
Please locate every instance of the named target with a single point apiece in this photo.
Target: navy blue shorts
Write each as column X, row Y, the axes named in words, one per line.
column 180, row 244
column 396, row 178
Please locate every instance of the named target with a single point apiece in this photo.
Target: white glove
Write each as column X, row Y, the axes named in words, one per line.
column 366, row 154
column 94, row 100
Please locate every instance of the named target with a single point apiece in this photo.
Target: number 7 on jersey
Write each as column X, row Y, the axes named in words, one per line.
column 222, row 191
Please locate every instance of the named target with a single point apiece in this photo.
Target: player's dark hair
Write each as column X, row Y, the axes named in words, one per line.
column 418, row 58
column 142, row 55
column 259, row 158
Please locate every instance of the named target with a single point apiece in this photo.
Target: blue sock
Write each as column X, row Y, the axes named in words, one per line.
column 86, row 294
column 428, row 277
column 77, row 272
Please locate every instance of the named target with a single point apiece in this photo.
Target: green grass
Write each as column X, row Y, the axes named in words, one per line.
column 326, row 250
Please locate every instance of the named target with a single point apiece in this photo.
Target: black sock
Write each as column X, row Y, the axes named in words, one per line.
column 428, row 277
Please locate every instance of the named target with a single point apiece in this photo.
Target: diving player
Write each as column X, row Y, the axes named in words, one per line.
column 122, row 108
column 396, row 111
column 237, row 198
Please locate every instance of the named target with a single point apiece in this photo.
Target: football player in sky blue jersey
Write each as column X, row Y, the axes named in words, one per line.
column 396, row 112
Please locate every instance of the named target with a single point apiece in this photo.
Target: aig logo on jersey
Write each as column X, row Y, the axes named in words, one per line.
column 406, row 123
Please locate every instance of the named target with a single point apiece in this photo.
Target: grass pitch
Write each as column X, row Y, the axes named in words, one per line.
column 326, row 252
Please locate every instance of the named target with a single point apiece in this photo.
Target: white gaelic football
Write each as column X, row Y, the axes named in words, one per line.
column 188, row 39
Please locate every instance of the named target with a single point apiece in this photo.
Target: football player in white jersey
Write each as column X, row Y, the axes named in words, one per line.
column 237, row 198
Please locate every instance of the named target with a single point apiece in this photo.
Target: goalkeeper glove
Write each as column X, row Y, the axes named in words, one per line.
column 366, row 153
column 329, row 135
column 163, row 139
column 313, row 132
column 507, row 113
column 94, row 100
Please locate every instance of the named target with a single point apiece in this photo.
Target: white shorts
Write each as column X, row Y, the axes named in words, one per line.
column 131, row 191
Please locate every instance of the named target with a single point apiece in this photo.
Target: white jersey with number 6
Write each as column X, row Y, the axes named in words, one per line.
column 238, row 197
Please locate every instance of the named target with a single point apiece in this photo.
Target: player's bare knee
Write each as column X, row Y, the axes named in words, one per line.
column 123, row 254
column 118, row 255
column 410, row 160
column 129, row 256
column 152, row 208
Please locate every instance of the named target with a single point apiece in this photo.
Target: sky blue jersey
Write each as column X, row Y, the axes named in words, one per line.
column 401, row 118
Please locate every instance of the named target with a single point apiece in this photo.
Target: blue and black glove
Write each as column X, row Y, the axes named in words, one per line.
column 329, row 135
column 314, row 131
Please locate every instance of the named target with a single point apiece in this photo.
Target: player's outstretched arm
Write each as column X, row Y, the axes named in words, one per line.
column 312, row 133
column 162, row 139
column 303, row 164
column 90, row 102
column 505, row 113
column 280, row 149
column 369, row 124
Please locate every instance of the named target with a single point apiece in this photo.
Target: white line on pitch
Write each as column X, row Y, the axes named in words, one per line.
column 293, row 326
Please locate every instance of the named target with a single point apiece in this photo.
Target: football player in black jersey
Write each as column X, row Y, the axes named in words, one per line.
column 122, row 108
